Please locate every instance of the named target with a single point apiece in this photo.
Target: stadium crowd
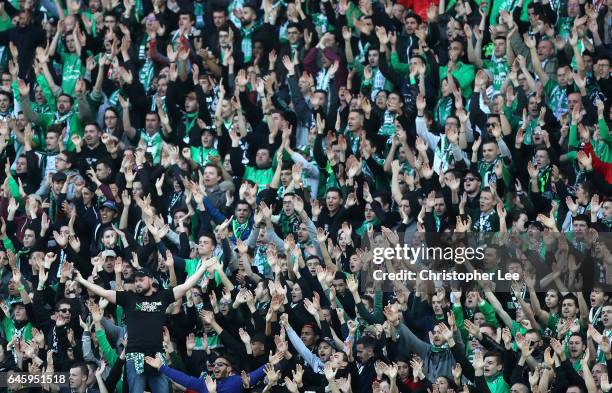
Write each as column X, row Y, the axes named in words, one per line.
column 193, row 193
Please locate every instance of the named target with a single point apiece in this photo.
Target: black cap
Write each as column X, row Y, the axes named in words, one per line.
column 144, row 272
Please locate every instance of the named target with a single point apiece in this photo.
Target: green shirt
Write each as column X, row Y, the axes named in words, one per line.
column 71, row 71
column 262, row 177
column 499, row 68
column 9, row 329
column 465, row 75
column 202, row 154
column 73, row 122
column 192, row 265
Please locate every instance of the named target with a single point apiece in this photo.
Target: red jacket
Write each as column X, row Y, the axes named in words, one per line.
column 419, row 7
column 604, row 168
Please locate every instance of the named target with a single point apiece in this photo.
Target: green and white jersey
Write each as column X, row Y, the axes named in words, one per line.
column 556, row 97
column 71, row 71
column 499, row 68
column 154, row 144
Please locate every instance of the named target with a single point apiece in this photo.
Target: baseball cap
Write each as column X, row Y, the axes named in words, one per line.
column 109, row 254
column 109, row 205
column 144, row 272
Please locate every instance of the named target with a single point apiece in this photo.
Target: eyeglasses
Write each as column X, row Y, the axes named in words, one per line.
column 217, row 364
column 470, row 179
column 491, row 124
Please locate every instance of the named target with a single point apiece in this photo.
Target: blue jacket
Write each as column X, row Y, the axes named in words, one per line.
column 231, row 384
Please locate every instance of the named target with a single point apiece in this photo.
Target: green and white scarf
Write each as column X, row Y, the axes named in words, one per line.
column 443, row 155
column 247, row 42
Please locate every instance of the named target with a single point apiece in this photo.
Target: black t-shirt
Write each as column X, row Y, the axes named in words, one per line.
column 145, row 316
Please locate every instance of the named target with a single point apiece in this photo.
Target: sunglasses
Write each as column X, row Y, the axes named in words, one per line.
column 64, row 310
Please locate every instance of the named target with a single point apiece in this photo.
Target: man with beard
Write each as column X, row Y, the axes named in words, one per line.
column 226, row 379
column 436, row 354
column 145, row 315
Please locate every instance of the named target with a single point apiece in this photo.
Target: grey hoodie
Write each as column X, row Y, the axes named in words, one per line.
column 435, row 364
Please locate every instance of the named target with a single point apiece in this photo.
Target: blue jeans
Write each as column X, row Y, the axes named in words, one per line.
column 138, row 382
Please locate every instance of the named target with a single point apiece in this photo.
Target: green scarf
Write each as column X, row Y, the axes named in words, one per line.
column 288, row 223
column 145, row 75
column 443, row 109
column 247, row 42
column 487, row 170
column 154, row 144
column 189, row 120
column 497, row 384
column 239, row 229
column 543, row 177
column 440, row 348
column 366, row 224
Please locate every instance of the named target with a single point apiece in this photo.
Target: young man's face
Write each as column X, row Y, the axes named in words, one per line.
column 106, row 215
column 308, row 336
column 439, row 206
column 410, row 24
column 568, row 308
column 580, row 228
column 5, row 102
column 262, row 157
column 63, row 104
column 185, row 22
column 490, row 152
column 211, row 177
column 364, row 353
column 205, row 246
column 575, row 346
column 29, row 238
column 57, row 186
column 597, row 297
column 606, row 316
column 492, row 366
column 151, row 122
column 219, row 18
column 52, row 141
column 332, row 201
column 221, row 368
column 500, row 47
column 293, row 35
column 103, row 171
